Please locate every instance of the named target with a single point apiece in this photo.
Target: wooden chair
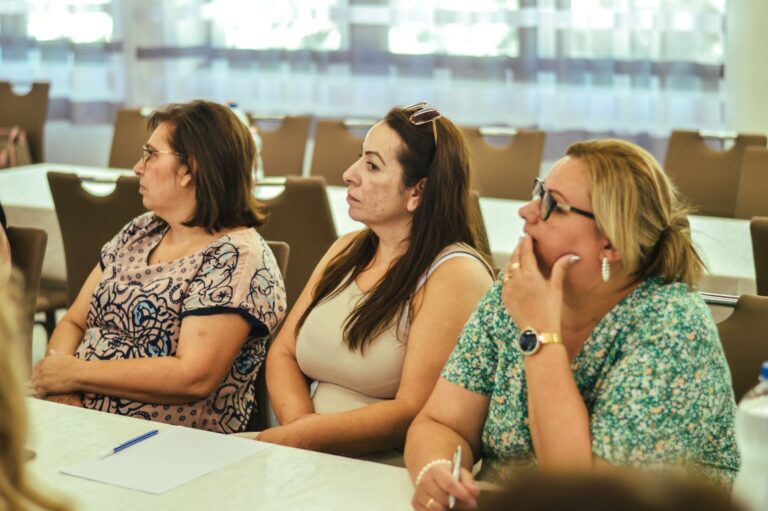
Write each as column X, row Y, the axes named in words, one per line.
column 744, row 341
column 707, row 177
column 336, row 148
column 27, row 254
column 28, row 112
column 758, row 228
column 301, row 216
column 88, row 221
column 751, row 199
column 283, row 148
column 131, row 132
column 260, row 420
column 281, row 250
column 505, row 172
column 476, row 215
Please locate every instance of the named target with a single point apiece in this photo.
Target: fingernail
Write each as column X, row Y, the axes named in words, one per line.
column 574, row 259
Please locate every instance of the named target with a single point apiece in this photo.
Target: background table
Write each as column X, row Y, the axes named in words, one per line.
column 274, row 479
column 724, row 243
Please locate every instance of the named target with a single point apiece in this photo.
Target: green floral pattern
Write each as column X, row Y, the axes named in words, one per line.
column 652, row 374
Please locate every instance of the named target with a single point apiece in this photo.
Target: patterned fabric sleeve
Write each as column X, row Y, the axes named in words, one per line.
column 239, row 277
column 472, row 364
column 655, row 406
column 110, row 249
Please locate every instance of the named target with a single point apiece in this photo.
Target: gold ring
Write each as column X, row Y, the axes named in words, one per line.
column 430, row 502
column 514, row 266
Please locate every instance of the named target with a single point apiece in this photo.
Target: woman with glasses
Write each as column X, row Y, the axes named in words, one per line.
column 172, row 323
column 593, row 349
column 364, row 344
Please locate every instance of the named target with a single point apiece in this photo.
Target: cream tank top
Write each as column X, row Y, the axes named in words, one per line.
column 345, row 380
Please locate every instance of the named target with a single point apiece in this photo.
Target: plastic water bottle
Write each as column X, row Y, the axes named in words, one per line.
column 258, row 166
column 751, row 485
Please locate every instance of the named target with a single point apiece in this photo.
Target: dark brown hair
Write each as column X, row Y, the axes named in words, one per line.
column 441, row 219
column 625, row 490
column 219, row 151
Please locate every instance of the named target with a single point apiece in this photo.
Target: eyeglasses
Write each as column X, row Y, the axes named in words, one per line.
column 421, row 114
column 548, row 203
column 147, row 153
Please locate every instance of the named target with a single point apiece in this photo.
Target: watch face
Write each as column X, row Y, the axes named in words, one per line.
column 528, row 342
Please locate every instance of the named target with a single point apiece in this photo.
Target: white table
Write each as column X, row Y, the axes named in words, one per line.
column 273, row 479
column 724, row 243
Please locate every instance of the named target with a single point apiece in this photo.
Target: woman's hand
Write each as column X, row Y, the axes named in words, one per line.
column 531, row 299
column 292, row 435
column 55, row 374
column 438, row 484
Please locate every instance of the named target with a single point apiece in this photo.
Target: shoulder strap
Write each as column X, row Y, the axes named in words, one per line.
column 460, row 251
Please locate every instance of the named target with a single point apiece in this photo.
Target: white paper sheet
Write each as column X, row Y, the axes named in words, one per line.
column 169, row 459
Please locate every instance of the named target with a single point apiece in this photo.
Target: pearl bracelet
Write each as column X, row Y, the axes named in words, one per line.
column 428, row 466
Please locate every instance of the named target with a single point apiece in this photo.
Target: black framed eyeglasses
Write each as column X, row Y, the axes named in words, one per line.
column 547, row 202
column 147, row 153
column 421, row 113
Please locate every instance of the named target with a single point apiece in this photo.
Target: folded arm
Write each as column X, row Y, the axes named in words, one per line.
column 208, row 345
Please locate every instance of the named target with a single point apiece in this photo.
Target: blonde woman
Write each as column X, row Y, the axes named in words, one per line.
column 593, row 349
column 17, row 492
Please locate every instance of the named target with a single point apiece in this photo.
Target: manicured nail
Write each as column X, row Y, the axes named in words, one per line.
column 574, row 259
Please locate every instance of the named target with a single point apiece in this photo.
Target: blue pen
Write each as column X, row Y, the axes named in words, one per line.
column 128, row 443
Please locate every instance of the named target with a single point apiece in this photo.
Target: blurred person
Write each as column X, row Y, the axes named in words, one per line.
column 5, row 250
column 625, row 491
column 17, row 491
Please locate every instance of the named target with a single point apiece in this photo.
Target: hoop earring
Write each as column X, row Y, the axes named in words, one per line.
column 605, row 270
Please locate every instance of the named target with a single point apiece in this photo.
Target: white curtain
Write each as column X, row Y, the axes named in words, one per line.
column 634, row 68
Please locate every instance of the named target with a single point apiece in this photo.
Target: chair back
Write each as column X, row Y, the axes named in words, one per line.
column 283, row 148
column 27, row 254
column 88, row 221
column 476, row 217
column 28, row 112
column 131, row 132
column 751, row 199
column 745, row 342
column 758, row 228
column 335, row 150
column 281, row 250
column 708, row 178
column 301, row 216
column 505, row 172
column 259, row 420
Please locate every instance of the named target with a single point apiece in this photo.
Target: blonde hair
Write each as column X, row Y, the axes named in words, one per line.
column 16, row 490
column 639, row 210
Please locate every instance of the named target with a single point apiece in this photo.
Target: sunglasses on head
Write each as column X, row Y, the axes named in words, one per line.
column 422, row 114
column 547, row 203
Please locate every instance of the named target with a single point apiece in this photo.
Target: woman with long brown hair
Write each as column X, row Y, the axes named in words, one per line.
column 364, row 344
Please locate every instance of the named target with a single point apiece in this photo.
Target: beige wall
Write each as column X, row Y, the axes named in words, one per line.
column 746, row 66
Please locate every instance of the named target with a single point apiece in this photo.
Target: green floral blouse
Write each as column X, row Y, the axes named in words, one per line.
column 652, row 374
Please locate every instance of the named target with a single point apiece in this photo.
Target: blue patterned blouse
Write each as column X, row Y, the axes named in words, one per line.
column 137, row 309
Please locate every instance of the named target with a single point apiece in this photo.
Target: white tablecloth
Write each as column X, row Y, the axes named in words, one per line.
column 724, row 243
column 274, row 479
